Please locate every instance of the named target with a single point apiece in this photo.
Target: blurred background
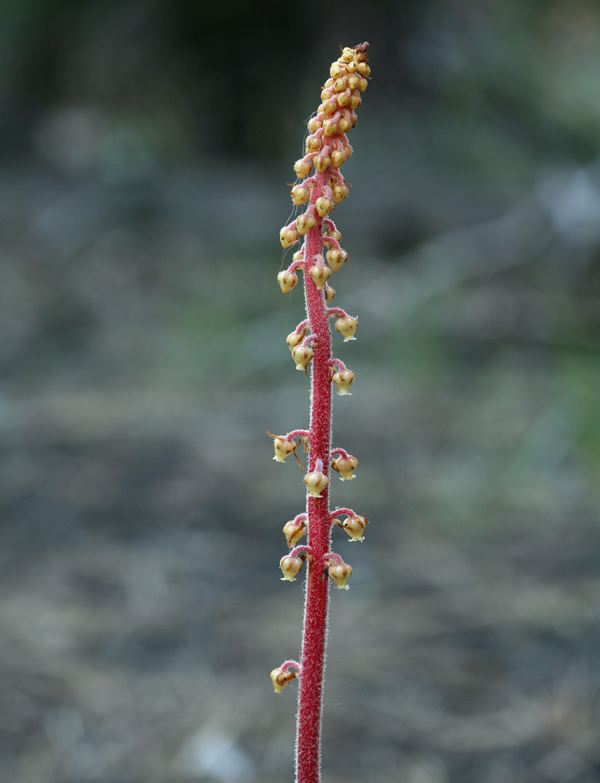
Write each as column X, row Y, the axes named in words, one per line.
column 145, row 149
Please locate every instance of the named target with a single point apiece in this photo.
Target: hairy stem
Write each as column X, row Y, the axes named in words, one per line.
column 319, row 528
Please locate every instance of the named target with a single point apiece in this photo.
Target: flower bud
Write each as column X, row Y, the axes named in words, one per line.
column 352, row 67
column 348, row 150
column 355, row 527
column 305, row 223
column 315, row 483
column 347, row 54
column 362, row 85
column 294, row 530
column 336, row 258
column 330, row 127
column 281, row 678
column 288, row 237
column 283, row 449
column 334, row 233
column 302, row 354
column 353, row 118
column 329, row 294
column 324, row 206
column 345, row 466
column 340, row 84
column 290, row 566
column 346, row 327
column 337, row 158
column 302, row 167
column 293, row 339
column 337, row 70
column 313, row 144
column 353, row 81
column 322, row 163
column 300, row 194
column 343, row 380
column 287, row 280
column 355, row 101
column 344, row 98
column 344, row 124
column 329, row 106
column 363, row 69
column 314, row 124
column 327, row 93
column 320, row 274
column 340, row 574
column 339, row 193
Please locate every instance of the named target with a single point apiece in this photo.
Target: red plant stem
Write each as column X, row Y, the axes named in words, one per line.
column 310, row 703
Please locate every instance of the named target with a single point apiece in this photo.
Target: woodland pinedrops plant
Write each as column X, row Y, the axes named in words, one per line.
column 327, row 148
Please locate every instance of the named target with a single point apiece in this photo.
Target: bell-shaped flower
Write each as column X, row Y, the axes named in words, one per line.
column 320, row 274
column 355, row 527
column 294, row 530
column 302, row 354
column 282, row 677
column 290, row 567
column 345, row 466
column 343, row 379
column 340, row 573
column 315, row 483
column 287, row 280
column 283, row 448
column 346, row 327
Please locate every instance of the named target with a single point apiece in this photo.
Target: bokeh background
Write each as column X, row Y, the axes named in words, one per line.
column 145, row 149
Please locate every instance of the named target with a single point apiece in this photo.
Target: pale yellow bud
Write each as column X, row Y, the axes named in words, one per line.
column 343, row 380
column 336, row 258
column 352, row 67
column 335, row 234
column 348, row 150
column 330, row 127
column 337, row 158
column 293, row 531
column 327, row 93
column 324, row 206
column 363, row 69
column 322, row 163
column 300, row 194
column 320, row 274
column 340, row 574
column 302, row 354
column 347, row 54
column 315, row 483
column 340, row 84
column 355, row 527
column 329, row 106
column 346, row 327
column 345, row 466
column 343, row 98
column 287, row 280
column 302, row 167
column 339, row 193
column 313, row 144
column 305, row 223
column 353, row 118
column 344, row 125
column 353, row 81
column 290, row 567
column 314, row 124
column 281, row 678
column 283, row 449
column 288, row 237
column 355, row 101
column 337, row 70
column 293, row 339
column 362, row 85
column 329, row 294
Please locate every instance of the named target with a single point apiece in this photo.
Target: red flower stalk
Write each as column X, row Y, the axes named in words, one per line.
column 310, row 343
